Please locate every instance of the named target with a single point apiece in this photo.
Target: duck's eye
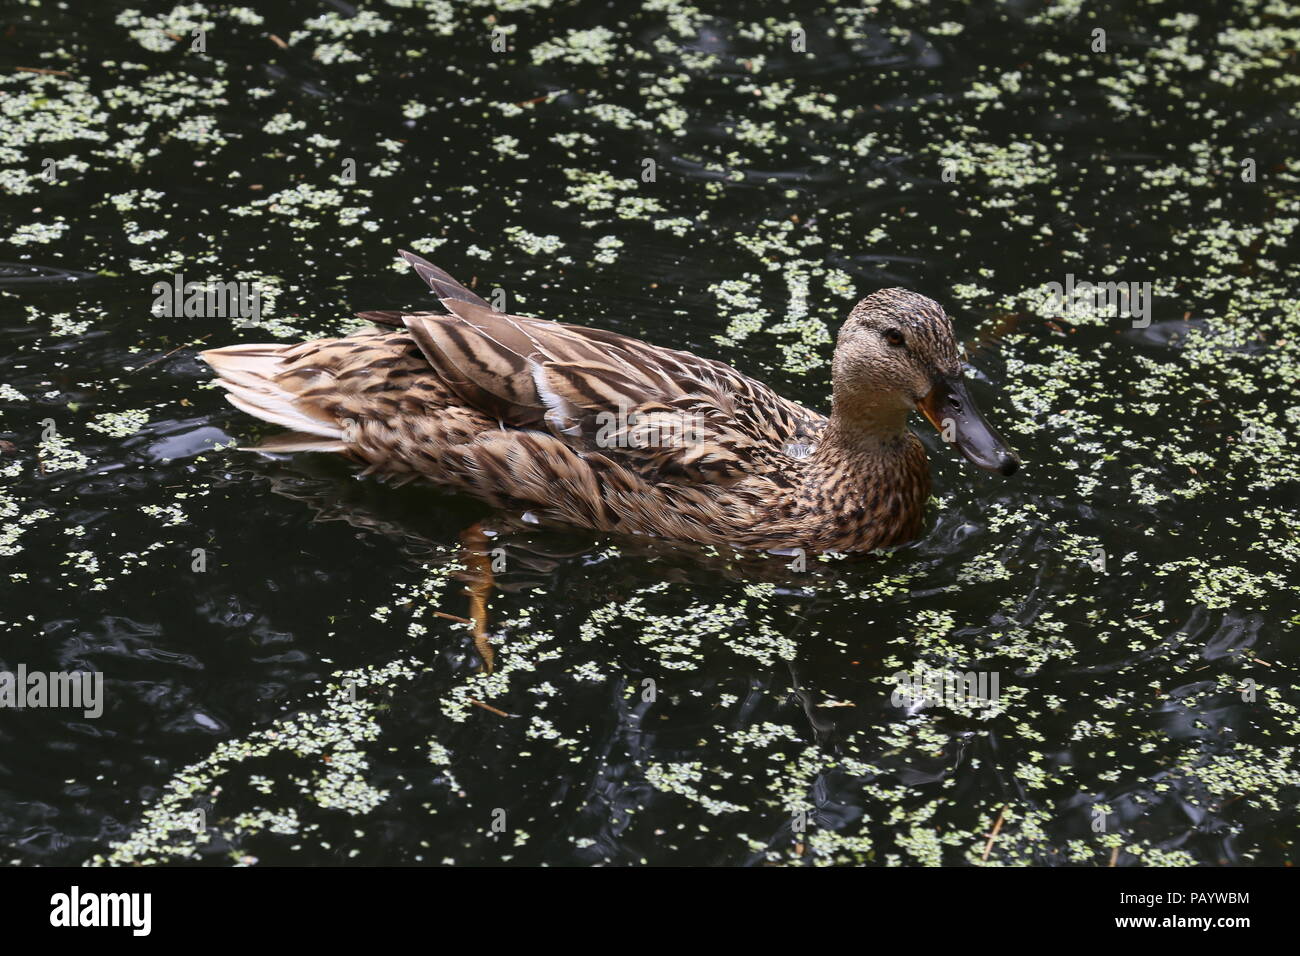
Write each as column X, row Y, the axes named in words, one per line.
column 894, row 337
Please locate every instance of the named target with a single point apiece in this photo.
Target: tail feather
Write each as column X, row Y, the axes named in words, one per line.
column 249, row 373
column 296, row 441
column 442, row 284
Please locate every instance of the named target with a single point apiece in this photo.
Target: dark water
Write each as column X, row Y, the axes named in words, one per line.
column 1133, row 588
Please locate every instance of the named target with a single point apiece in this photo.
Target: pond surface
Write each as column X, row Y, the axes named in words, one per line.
column 723, row 178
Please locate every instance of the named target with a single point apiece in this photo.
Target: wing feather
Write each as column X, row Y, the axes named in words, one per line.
column 659, row 409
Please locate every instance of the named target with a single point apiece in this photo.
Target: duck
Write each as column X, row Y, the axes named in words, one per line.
column 579, row 427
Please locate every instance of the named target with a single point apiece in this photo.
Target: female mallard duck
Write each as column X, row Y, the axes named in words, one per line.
column 588, row 428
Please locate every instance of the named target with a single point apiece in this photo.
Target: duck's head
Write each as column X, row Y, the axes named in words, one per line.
column 896, row 352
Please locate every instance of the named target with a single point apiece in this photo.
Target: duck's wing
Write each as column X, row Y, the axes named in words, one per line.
column 669, row 411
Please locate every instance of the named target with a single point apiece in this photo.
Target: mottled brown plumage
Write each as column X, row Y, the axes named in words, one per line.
column 585, row 427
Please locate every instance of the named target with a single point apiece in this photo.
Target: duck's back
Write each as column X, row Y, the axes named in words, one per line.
column 576, row 425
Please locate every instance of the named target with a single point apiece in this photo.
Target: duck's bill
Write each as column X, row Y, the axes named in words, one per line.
column 952, row 411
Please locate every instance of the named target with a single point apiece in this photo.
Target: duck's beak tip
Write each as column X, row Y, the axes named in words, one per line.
column 951, row 409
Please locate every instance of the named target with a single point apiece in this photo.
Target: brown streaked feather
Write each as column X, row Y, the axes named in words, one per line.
column 493, row 352
column 387, row 317
column 440, row 282
column 662, row 373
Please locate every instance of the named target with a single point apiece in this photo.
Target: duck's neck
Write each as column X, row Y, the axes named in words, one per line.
column 861, row 429
column 868, row 479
